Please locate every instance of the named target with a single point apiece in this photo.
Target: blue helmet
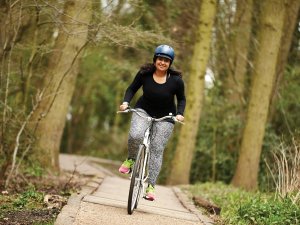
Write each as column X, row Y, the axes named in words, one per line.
column 165, row 51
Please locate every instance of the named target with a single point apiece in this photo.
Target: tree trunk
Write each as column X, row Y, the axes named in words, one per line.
column 49, row 119
column 180, row 171
column 288, row 30
column 271, row 23
column 240, row 43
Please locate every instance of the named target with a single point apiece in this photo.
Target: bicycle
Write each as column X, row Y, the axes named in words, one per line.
column 140, row 171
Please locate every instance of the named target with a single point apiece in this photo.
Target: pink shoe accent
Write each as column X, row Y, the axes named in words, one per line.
column 150, row 197
column 124, row 169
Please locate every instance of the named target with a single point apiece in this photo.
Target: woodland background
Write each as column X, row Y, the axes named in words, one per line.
column 64, row 67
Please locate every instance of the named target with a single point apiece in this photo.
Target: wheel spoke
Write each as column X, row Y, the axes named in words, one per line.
column 136, row 181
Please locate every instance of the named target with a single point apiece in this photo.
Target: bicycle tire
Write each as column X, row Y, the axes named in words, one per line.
column 142, row 176
column 136, row 180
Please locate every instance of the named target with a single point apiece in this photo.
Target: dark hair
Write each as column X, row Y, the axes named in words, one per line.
column 150, row 68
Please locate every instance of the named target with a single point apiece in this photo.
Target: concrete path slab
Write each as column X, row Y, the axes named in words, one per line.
column 80, row 164
column 103, row 200
column 97, row 214
column 114, row 192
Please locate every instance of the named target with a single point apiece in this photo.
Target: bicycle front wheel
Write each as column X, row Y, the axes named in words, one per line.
column 136, row 182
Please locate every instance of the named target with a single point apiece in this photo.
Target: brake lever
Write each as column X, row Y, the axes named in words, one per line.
column 125, row 111
column 176, row 120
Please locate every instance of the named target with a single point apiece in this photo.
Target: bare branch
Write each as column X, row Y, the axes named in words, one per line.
column 64, row 14
column 22, row 157
column 59, row 85
column 129, row 36
column 15, row 152
column 9, row 66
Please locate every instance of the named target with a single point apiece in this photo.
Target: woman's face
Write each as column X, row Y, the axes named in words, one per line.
column 162, row 63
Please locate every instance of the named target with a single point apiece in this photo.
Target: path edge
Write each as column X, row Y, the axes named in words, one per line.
column 188, row 204
column 68, row 214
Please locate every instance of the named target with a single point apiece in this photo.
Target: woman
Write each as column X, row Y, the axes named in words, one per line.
column 160, row 85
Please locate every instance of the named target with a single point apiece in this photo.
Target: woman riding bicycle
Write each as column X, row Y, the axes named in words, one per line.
column 160, row 85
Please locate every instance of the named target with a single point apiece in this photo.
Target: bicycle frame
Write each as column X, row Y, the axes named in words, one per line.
column 134, row 194
column 146, row 143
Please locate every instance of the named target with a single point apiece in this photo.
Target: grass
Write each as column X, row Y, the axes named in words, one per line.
column 246, row 208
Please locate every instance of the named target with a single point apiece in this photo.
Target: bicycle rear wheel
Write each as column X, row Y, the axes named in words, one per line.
column 136, row 182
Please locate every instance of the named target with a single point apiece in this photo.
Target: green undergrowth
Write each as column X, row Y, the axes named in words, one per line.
column 26, row 207
column 239, row 207
column 29, row 199
column 36, row 199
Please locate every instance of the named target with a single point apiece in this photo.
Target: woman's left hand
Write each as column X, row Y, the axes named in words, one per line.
column 180, row 118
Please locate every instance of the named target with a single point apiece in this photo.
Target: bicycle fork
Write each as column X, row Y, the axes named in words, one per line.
column 145, row 173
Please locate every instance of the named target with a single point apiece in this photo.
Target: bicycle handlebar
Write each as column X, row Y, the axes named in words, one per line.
column 149, row 118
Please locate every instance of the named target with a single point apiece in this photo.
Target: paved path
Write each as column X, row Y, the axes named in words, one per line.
column 103, row 200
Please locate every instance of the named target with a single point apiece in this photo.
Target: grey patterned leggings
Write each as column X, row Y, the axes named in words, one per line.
column 160, row 135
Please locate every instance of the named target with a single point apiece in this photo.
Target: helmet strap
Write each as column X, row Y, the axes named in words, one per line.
column 154, row 60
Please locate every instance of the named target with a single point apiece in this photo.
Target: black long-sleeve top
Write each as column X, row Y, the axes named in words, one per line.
column 158, row 100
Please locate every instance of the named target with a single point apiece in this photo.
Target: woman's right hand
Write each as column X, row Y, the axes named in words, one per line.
column 124, row 106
